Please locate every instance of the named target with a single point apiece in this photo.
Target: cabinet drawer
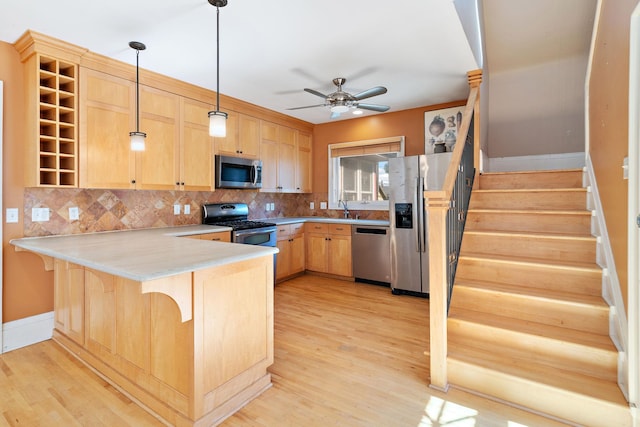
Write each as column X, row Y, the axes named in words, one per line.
column 341, row 229
column 316, row 227
column 220, row 236
column 283, row 230
column 296, row 229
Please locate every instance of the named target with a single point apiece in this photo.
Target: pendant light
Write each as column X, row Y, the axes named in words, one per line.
column 217, row 118
column 137, row 137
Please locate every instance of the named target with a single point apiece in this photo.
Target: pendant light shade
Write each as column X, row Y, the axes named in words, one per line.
column 137, row 137
column 217, row 118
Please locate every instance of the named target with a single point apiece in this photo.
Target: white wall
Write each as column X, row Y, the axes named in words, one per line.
column 538, row 109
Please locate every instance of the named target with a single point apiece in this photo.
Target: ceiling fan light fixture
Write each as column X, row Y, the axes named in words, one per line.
column 339, row 109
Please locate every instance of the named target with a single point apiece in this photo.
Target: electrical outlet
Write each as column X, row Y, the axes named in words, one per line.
column 273, row 206
column 312, row 205
column 12, row 215
column 39, row 214
column 74, row 214
column 176, row 209
column 187, row 209
column 323, row 205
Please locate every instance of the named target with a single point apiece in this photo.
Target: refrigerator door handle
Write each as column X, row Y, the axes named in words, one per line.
column 420, row 215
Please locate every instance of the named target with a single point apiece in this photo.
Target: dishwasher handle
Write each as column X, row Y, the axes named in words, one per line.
column 362, row 230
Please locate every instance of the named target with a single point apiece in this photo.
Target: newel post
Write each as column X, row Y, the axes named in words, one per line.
column 437, row 209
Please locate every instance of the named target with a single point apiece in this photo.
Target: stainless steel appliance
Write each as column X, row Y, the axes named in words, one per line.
column 235, row 215
column 409, row 177
column 236, row 172
column 370, row 254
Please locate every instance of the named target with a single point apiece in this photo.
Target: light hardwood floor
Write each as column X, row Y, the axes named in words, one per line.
column 346, row 354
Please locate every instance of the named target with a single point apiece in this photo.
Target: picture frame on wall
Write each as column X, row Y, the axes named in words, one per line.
column 441, row 129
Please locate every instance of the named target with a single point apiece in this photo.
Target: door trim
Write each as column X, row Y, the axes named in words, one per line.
column 633, row 239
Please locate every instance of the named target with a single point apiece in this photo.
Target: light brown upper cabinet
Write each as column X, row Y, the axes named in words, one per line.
column 107, row 107
column 243, row 137
column 304, row 163
column 178, row 149
column 278, row 154
column 196, row 148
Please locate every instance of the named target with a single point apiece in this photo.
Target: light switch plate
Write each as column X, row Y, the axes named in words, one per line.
column 323, row 205
column 39, row 214
column 176, row 209
column 312, row 205
column 12, row 215
column 74, row 213
column 187, row 209
column 273, row 206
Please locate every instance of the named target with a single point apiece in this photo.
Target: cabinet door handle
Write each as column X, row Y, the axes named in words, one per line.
column 133, row 181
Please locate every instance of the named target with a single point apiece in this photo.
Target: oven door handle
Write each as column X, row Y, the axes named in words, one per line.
column 254, row 231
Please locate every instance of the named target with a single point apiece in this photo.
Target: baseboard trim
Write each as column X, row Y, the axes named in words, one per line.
column 30, row 330
column 538, row 162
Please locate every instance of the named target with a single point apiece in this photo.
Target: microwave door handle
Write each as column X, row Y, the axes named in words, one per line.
column 254, row 174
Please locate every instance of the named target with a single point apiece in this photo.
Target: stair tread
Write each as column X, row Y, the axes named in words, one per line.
column 541, row 172
column 583, row 212
column 531, row 190
column 533, row 234
column 510, row 363
column 570, row 297
column 597, row 341
column 551, row 263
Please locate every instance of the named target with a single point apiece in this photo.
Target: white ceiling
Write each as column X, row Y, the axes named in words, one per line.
column 270, row 51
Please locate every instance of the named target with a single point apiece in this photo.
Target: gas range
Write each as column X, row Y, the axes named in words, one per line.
column 235, row 215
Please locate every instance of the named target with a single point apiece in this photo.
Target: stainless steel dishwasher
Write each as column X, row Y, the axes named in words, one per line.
column 371, row 254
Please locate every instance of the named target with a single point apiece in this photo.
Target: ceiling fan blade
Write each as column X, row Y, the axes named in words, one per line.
column 374, row 107
column 315, row 92
column 307, row 106
column 374, row 91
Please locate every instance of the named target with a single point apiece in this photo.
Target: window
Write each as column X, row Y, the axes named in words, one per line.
column 359, row 172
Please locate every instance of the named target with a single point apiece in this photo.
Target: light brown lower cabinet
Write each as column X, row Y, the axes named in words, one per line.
column 291, row 243
column 218, row 236
column 329, row 248
column 193, row 347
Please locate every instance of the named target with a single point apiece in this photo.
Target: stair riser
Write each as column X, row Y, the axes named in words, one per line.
column 553, row 200
column 534, row 276
column 569, row 223
column 581, row 317
column 539, row 397
column 556, row 179
column 558, row 354
column 573, row 250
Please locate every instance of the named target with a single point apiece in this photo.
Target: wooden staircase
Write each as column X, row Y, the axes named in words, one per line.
column 527, row 322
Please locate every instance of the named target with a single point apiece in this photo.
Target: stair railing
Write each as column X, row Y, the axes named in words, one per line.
column 446, row 211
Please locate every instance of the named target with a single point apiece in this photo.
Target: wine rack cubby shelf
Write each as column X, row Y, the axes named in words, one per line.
column 57, row 107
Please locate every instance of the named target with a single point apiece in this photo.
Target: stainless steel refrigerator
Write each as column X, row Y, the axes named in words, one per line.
column 409, row 177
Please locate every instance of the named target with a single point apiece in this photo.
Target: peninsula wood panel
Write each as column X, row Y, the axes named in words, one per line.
column 100, row 308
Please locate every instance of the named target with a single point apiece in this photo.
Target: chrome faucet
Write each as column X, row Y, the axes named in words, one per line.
column 346, row 209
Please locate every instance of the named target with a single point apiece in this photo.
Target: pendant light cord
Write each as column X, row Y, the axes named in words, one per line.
column 137, row 92
column 217, row 58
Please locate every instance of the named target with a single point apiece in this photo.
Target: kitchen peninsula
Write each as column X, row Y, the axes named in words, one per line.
column 183, row 326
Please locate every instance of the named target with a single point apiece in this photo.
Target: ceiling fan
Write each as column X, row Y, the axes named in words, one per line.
column 341, row 101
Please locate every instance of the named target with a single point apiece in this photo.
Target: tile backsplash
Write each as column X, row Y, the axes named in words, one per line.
column 104, row 210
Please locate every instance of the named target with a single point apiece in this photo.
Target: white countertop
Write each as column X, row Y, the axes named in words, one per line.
column 293, row 220
column 144, row 254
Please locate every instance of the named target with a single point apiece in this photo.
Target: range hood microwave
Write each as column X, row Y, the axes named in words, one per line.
column 237, row 172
